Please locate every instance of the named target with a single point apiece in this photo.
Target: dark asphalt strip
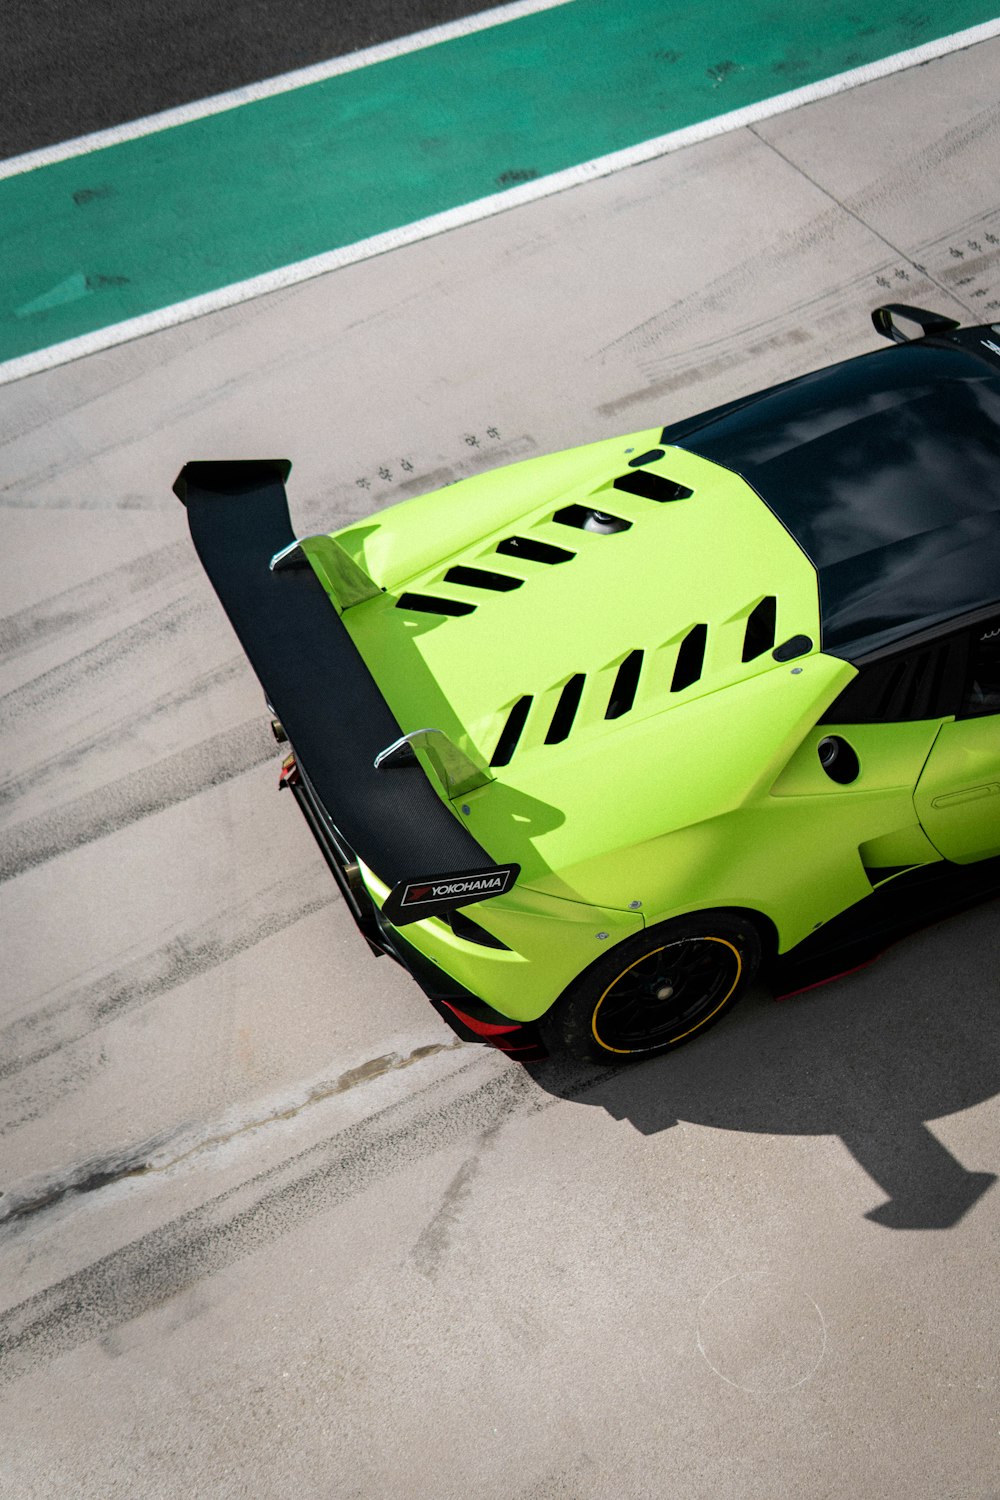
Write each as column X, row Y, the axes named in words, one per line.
column 68, row 69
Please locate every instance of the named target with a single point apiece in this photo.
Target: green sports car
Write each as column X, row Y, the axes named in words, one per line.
column 588, row 740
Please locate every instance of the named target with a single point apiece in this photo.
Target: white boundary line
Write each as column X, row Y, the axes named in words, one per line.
column 482, row 208
column 216, row 104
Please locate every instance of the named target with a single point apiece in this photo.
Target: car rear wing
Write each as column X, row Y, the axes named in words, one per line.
column 325, row 697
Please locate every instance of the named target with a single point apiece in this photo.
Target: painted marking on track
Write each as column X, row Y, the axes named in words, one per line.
column 64, row 298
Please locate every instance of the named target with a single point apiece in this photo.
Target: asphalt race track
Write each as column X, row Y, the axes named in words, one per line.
column 266, row 1227
column 67, row 70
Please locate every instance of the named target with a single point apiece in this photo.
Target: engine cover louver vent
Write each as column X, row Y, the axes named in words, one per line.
column 586, row 518
column 569, row 702
column 626, row 684
column 690, row 659
column 511, row 732
column 535, row 551
column 761, row 624
column 652, row 486
column 430, row 604
column 480, row 578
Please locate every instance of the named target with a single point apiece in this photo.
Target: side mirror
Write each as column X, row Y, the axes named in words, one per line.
column 927, row 322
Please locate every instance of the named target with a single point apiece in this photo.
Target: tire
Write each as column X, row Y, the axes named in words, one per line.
column 701, row 964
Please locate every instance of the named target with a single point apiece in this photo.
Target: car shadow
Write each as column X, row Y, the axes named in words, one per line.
column 871, row 1058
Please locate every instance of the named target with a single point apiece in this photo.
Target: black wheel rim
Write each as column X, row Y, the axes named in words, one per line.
column 666, row 994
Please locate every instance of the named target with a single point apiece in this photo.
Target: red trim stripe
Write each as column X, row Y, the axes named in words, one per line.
column 482, row 1028
column 818, row 983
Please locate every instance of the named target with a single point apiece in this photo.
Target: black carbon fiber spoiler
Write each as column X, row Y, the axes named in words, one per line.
column 320, row 688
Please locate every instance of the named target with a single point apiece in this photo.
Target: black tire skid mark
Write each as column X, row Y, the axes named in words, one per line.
column 160, row 1265
column 740, row 345
column 79, row 672
column 69, row 759
column 62, row 613
column 933, row 162
column 86, row 503
column 437, row 1235
column 138, row 795
column 183, row 957
column 86, row 1177
column 656, row 347
column 744, row 342
column 181, row 1141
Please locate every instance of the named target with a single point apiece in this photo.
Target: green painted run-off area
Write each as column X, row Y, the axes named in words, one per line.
column 141, row 225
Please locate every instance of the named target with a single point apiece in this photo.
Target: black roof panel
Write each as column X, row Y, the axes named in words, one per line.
column 886, row 470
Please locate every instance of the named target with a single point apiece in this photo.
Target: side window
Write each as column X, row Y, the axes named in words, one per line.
column 923, row 683
column 982, row 687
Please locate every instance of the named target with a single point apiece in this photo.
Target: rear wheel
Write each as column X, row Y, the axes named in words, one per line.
column 657, row 990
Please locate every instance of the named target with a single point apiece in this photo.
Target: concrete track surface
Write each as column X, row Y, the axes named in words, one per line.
column 268, row 1229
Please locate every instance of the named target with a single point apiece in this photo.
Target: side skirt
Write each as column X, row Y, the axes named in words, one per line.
column 904, row 904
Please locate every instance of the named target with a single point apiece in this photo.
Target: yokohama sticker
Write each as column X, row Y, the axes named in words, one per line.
column 412, row 900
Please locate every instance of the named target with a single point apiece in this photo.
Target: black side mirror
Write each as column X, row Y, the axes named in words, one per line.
column 927, row 322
